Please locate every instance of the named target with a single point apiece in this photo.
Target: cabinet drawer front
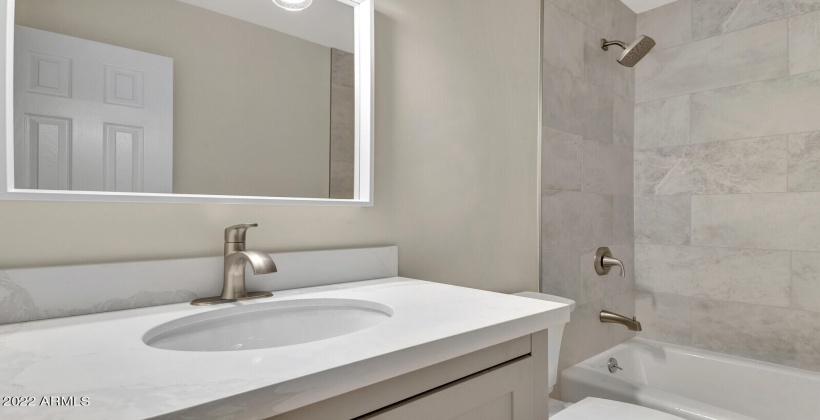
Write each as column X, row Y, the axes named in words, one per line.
column 502, row 393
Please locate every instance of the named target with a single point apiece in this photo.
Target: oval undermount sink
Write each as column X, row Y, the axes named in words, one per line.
column 268, row 325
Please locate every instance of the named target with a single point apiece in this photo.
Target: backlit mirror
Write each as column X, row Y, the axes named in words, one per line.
column 191, row 100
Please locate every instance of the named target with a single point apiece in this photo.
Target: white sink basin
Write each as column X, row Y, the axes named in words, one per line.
column 267, row 325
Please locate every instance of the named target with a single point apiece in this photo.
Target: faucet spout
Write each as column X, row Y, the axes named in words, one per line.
column 234, row 286
column 612, row 318
column 236, row 259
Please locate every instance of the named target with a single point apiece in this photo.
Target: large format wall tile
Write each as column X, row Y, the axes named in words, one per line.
column 576, row 106
column 764, row 221
column 777, row 106
column 561, row 160
column 804, row 43
column 574, row 220
column 663, row 219
column 737, row 275
column 602, row 68
column 715, row 62
column 586, row 336
column 563, row 40
column 715, row 17
column 804, row 162
column 664, row 317
column 607, row 168
column 669, row 25
column 739, row 166
column 806, row 281
column 624, row 122
column 571, row 274
column 561, row 274
column 593, row 13
column 775, row 335
column 663, row 122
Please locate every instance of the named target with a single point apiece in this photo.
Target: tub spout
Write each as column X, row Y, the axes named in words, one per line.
column 613, row 318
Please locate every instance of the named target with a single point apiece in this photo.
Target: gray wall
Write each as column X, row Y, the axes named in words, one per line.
column 727, row 178
column 458, row 154
column 588, row 101
column 251, row 113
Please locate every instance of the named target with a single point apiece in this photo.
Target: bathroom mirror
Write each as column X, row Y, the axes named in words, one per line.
column 241, row 101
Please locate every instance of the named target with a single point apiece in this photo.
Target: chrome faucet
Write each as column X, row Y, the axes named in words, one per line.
column 604, row 262
column 613, row 318
column 236, row 258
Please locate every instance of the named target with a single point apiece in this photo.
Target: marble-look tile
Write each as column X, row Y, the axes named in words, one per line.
column 593, row 13
column 595, row 286
column 776, row 335
column 623, row 215
column 624, row 122
column 622, row 304
column 340, row 99
column 806, row 281
column 624, row 21
column 804, row 43
column 669, row 25
column 561, row 274
column 663, row 122
column 737, row 275
column 607, row 168
column 728, row 167
column 804, row 162
column 601, row 67
column 770, row 107
column 576, row 106
column 663, row 219
column 561, row 160
column 715, row 17
column 342, row 142
column 342, row 177
column 585, row 335
column 563, row 40
column 715, row 62
column 664, row 317
column 343, row 68
column 571, row 274
column 574, row 220
column 763, row 221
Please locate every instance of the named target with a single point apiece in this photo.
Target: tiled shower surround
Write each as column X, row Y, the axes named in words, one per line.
column 727, row 178
column 587, row 168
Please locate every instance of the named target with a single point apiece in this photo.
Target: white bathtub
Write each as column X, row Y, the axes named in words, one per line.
column 695, row 384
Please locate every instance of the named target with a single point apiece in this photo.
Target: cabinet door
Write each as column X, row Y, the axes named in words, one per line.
column 502, row 393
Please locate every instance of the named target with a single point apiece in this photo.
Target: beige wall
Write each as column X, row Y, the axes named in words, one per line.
column 456, row 149
column 251, row 105
column 463, row 113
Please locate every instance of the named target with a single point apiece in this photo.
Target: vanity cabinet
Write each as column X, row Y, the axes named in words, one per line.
column 503, row 393
column 507, row 381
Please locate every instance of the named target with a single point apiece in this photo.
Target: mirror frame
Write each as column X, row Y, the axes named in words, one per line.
column 364, row 178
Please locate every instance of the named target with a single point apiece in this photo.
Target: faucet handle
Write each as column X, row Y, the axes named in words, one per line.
column 236, row 233
column 604, row 261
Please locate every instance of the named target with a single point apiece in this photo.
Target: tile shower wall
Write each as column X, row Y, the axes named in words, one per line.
column 342, row 124
column 727, row 178
column 587, row 150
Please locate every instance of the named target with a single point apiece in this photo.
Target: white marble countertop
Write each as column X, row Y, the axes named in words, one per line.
column 102, row 357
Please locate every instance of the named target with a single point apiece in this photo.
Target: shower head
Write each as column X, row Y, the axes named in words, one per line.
column 633, row 52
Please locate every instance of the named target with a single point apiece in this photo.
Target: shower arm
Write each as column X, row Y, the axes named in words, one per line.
column 606, row 44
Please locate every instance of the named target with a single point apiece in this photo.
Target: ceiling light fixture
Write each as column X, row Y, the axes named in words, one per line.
column 293, row 5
